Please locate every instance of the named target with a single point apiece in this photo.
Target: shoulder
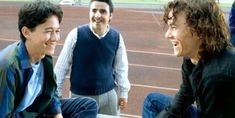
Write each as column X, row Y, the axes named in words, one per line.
column 114, row 29
column 84, row 26
column 8, row 55
column 114, row 32
column 223, row 63
column 227, row 55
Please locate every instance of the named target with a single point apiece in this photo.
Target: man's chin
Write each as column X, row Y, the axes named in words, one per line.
column 177, row 54
column 50, row 53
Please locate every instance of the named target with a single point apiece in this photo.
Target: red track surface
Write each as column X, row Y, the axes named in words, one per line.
column 151, row 65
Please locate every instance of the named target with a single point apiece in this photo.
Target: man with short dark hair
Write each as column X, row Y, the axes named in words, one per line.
column 27, row 81
column 98, row 60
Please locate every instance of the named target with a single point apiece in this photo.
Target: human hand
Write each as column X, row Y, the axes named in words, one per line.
column 122, row 102
column 58, row 116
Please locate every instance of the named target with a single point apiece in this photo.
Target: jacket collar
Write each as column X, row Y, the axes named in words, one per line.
column 23, row 56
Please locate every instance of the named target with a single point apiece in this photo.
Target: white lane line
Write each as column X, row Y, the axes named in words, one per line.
column 155, row 87
column 8, row 39
column 129, row 116
column 157, row 67
column 147, row 86
column 157, row 21
column 148, row 66
column 134, row 51
column 13, row 40
column 148, row 52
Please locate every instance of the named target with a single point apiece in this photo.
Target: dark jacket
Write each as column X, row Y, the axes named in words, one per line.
column 15, row 72
column 211, row 84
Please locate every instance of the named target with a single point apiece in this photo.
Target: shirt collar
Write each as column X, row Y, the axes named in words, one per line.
column 90, row 26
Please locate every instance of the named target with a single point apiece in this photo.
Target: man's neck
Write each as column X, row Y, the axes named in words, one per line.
column 195, row 60
column 99, row 32
column 33, row 56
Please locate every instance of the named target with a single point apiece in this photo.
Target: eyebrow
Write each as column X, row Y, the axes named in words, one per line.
column 50, row 28
column 172, row 19
column 170, row 22
column 98, row 9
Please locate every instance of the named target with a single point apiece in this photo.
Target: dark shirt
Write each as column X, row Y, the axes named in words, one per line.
column 211, row 84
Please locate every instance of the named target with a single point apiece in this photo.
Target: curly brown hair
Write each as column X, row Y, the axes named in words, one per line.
column 206, row 19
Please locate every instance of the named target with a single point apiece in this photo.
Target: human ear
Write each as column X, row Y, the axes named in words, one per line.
column 26, row 32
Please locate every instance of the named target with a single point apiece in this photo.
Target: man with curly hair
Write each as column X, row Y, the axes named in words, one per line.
column 198, row 32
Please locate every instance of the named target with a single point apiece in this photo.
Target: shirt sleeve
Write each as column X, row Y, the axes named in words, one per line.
column 182, row 100
column 121, row 69
column 55, row 106
column 64, row 61
column 7, row 88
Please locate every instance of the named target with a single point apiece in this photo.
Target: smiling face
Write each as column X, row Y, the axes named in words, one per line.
column 100, row 16
column 43, row 39
column 185, row 42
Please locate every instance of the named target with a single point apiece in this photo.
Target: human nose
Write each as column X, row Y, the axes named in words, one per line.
column 97, row 14
column 55, row 36
column 168, row 34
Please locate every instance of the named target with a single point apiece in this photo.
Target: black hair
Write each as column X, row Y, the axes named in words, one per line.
column 35, row 13
column 109, row 2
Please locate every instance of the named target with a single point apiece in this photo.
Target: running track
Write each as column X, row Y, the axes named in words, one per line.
column 152, row 67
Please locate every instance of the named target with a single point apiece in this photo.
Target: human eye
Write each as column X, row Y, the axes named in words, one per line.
column 173, row 27
column 103, row 11
column 94, row 10
column 48, row 31
column 58, row 31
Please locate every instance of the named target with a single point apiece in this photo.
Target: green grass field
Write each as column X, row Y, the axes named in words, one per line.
column 161, row 2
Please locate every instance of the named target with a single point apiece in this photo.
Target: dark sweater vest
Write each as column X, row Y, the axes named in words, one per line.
column 92, row 67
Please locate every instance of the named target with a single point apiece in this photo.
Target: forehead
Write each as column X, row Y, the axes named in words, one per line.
column 51, row 23
column 178, row 18
column 99, row 5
